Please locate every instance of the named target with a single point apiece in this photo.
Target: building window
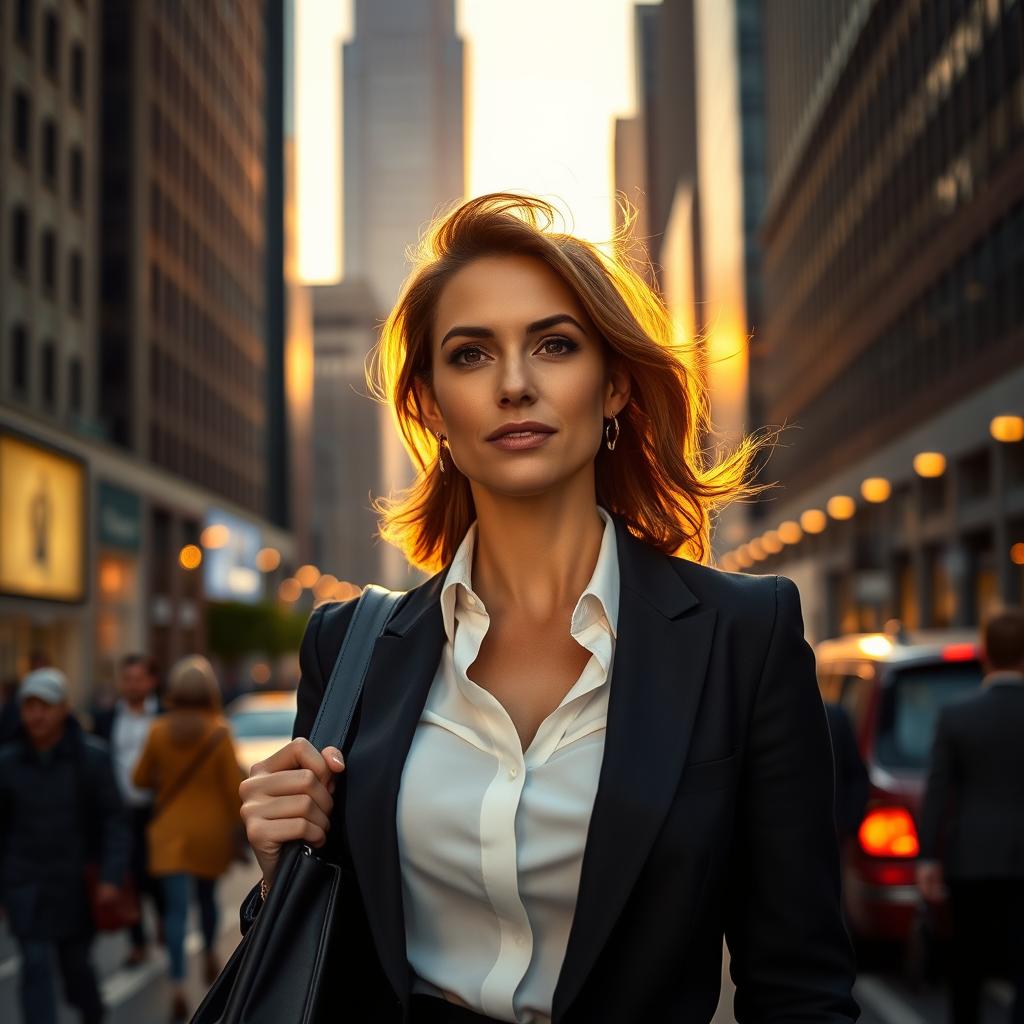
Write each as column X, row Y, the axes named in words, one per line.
column 19, row 360
column 50, row 152
column 75, row 277
column 77, row 174
column 49, row 261
column 49, row 374
column 22, row 126
column 51, row 45
column 20, row 240
column 23, row 23
column 75, row 385
column 78, row 74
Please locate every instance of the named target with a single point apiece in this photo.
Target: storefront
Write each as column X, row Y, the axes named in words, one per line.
column 44, row 531
column 119, row 613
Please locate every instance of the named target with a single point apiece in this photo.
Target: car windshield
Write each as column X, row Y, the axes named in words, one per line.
column 910, row 709
column 248, row 725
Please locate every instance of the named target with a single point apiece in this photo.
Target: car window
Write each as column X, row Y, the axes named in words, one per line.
column 247, row 725
column 910, row 709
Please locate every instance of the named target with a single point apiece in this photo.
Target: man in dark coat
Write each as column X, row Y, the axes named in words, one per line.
column 852, row 784
column 59, row 809
column 972, row 822
column 125, row 728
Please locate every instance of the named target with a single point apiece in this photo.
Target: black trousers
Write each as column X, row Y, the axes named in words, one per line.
column 988, row 940
column 37, row 985
column 432, row 1010
column 144, row 881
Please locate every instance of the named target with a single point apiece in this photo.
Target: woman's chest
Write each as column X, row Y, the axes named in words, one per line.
column 528, row 671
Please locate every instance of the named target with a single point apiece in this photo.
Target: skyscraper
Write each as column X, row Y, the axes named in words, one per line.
column 403, row 132
column 403, row 158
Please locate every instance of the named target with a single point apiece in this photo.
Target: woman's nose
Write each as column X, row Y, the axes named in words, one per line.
column 515, row 386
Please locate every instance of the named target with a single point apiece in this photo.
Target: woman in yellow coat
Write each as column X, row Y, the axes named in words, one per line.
column 189, row 761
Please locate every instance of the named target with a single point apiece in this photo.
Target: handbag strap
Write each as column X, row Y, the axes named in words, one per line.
column 345, row 686
column 190, row 769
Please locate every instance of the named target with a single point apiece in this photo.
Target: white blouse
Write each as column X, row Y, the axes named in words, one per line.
column 491, row 837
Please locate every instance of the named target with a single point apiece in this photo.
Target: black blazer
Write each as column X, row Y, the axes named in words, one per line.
column 713, row 813
column 973, row 810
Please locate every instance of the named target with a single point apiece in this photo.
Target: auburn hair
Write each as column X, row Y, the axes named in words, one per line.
column 659, row 480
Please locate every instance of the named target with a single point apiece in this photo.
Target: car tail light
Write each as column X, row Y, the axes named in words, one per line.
column 960, row 652
column 889, row 832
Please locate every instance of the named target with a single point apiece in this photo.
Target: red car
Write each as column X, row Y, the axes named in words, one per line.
column 892, row 686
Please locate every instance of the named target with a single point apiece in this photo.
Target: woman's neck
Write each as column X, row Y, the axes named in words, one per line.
column 533, row 557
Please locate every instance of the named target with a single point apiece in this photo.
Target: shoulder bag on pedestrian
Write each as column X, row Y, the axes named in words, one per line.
column 276, row 973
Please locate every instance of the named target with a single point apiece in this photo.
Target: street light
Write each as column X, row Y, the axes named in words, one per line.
column 1007, row 428
column 929, row 464
column 876, row 489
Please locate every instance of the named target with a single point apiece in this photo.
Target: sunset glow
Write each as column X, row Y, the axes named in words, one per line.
column 544, row 82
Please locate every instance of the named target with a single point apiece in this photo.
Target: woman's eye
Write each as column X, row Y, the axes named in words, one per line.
column 467, row 350
column 561, row 345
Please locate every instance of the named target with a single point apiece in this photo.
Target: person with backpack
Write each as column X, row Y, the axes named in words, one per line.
column 189, row 762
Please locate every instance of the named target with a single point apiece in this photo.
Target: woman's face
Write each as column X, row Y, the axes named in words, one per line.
column 512, row 345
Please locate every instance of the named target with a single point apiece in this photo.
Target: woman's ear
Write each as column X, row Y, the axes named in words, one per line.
column 618, row 388
column 429, row 409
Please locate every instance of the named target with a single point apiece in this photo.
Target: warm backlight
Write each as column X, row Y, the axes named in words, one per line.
column 889, row 832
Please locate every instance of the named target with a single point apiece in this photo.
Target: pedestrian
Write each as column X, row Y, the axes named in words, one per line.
column 972, row 823
column 529, row 834
column 852, row 783
column 59, row 810
column 125, row 727
column 189, row 761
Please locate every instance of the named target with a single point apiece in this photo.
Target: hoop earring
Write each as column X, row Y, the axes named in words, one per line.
column 609, row 440
column 440, row 450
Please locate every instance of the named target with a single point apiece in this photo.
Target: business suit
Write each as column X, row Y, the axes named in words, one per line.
column 972, row 818
column 714, row 808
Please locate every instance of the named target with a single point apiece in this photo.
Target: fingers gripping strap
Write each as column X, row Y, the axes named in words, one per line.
column 341, row 697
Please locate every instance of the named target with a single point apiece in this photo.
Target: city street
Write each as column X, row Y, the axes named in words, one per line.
column 139, row 995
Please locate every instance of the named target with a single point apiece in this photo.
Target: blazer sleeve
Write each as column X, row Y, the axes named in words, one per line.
column 791, row 959
column 939, row 790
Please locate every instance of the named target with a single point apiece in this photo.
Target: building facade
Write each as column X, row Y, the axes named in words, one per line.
column 133, row 348
column 348, row 426
column 893, row 324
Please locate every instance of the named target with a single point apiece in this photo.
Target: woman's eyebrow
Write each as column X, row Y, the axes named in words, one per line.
column 537, row 325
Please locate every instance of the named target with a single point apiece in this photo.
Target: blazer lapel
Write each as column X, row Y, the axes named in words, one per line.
column 660, row 661
column 402, row 667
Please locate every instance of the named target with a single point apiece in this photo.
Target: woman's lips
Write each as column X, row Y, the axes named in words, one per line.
column 521, row 440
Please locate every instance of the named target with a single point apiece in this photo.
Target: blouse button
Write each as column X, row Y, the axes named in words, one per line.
column 513, row 772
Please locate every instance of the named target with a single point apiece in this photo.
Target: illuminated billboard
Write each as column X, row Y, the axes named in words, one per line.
column 42, row 522
column 230, row 572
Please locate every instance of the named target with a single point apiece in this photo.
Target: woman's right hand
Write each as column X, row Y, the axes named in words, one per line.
column 289, row 796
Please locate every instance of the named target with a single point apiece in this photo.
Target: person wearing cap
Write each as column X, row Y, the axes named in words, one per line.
column 59, row 809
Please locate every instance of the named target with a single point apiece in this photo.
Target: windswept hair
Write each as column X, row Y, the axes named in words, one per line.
column 659, row 479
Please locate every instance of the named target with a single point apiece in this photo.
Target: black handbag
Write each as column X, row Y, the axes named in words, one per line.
column 276, row 973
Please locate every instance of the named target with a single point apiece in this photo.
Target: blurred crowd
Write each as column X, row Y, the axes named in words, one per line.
column 139, row 807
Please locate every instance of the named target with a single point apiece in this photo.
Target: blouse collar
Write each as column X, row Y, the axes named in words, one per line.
column 600, row 597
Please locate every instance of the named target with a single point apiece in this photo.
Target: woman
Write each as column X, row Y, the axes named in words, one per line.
column 189, row 761
column 528, row 836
